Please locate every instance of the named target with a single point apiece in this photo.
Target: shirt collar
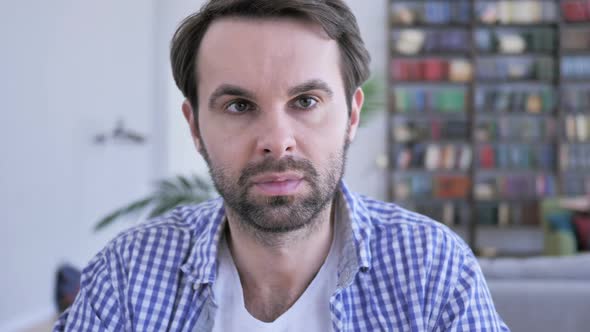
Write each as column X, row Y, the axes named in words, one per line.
column 354, row 229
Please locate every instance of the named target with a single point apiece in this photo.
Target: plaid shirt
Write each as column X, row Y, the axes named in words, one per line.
column 397, row 271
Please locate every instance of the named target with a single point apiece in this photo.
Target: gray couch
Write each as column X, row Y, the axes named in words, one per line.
column 541, row 293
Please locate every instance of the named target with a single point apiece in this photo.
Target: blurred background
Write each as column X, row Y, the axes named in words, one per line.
column 479, row 117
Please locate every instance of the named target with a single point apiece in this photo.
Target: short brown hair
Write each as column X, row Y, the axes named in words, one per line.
column 333, row 16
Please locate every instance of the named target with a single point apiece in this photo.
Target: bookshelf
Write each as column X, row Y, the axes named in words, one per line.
column 431, row 58
column 489, row 108
column 514, row 110
column 574, row 116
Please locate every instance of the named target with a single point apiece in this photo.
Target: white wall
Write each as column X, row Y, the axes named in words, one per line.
column 68, row 71
column 181, row 156
column 362, row 173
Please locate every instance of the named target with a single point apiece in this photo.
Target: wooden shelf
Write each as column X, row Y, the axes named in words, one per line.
column 432, row 54
column 566, row 52
column 432, row 201
column 423, row 171
column 512, row 171
column 431, row 141
column 510, row 200
column 425, row 83
column 512, row 81
column 577, row 80
column 580, row 24
column 449, row 26
column 438, row 115
column 515, row 140
column 487, row 54
column 510, row 227
column 480, row 25
column 495, row 114
column 576, row 171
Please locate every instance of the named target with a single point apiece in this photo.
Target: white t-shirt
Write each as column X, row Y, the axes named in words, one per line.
column 311, row 312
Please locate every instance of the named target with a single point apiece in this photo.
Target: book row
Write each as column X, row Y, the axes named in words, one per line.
column 502, row 214
column 516, row 156
column 529, row 99
column 516, row 12
column 512, row 68
column 413, row 41
column 577, row 127
column 515, row 129
column 576, row 10
column 575, row 157
column 576, row 67
column 576, row 98
column 486, row 188
column 488, row 12
column 435, row 70
column 431, row 12
column 449, row 213
column 507, row 214
column 428, row 186
column 514, row 41
column 514, row 186
column 499, row 40
column 576, row 184
column 516, row 68
column 433, row 156
column 506, row 128
column 436, row 99
column 576, row 39
column 414, row 130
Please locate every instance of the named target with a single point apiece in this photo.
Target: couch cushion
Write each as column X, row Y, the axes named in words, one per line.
column 542, row 305
column 575, row 267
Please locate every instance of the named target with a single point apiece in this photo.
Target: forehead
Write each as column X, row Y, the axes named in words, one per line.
column 252, row 51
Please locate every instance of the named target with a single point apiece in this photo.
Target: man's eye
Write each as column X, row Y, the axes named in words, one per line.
column 305, row 102
column 239, row 106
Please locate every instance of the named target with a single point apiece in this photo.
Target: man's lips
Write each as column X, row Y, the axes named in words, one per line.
column 278, row 184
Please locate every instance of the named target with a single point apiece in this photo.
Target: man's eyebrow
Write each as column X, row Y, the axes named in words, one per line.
column 231, row 90
column 315, row 84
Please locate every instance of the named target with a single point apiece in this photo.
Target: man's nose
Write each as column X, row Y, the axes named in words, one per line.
column 276, row 136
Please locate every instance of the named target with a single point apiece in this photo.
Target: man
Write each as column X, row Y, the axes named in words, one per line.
column 272, row 102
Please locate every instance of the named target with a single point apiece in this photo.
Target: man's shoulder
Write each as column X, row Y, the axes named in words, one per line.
column 409, row 244
column 174, row 231
column 390, row 220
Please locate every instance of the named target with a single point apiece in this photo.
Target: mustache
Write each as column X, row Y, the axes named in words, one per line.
column 269, row 165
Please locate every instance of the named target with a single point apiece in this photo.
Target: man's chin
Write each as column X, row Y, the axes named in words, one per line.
column 284, row 227
column 273, row 201
column 278, row 228
column 277, row 217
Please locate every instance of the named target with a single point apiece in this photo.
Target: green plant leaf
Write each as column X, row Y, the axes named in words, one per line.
column 169, row 203
column 184, row 183
column 374, row 91
column 168, row 194
column 134, row 207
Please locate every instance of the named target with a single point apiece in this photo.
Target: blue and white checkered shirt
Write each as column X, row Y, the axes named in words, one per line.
column 397, row 271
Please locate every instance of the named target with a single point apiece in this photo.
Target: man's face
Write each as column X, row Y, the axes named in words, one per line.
column 273, row 122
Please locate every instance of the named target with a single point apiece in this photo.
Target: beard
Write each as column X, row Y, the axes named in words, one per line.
column 279, row 214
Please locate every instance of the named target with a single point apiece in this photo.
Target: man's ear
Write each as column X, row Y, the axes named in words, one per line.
column 189, row 115
column 355, row 112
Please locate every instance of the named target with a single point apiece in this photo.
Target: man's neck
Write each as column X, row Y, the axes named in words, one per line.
column 274, row 276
